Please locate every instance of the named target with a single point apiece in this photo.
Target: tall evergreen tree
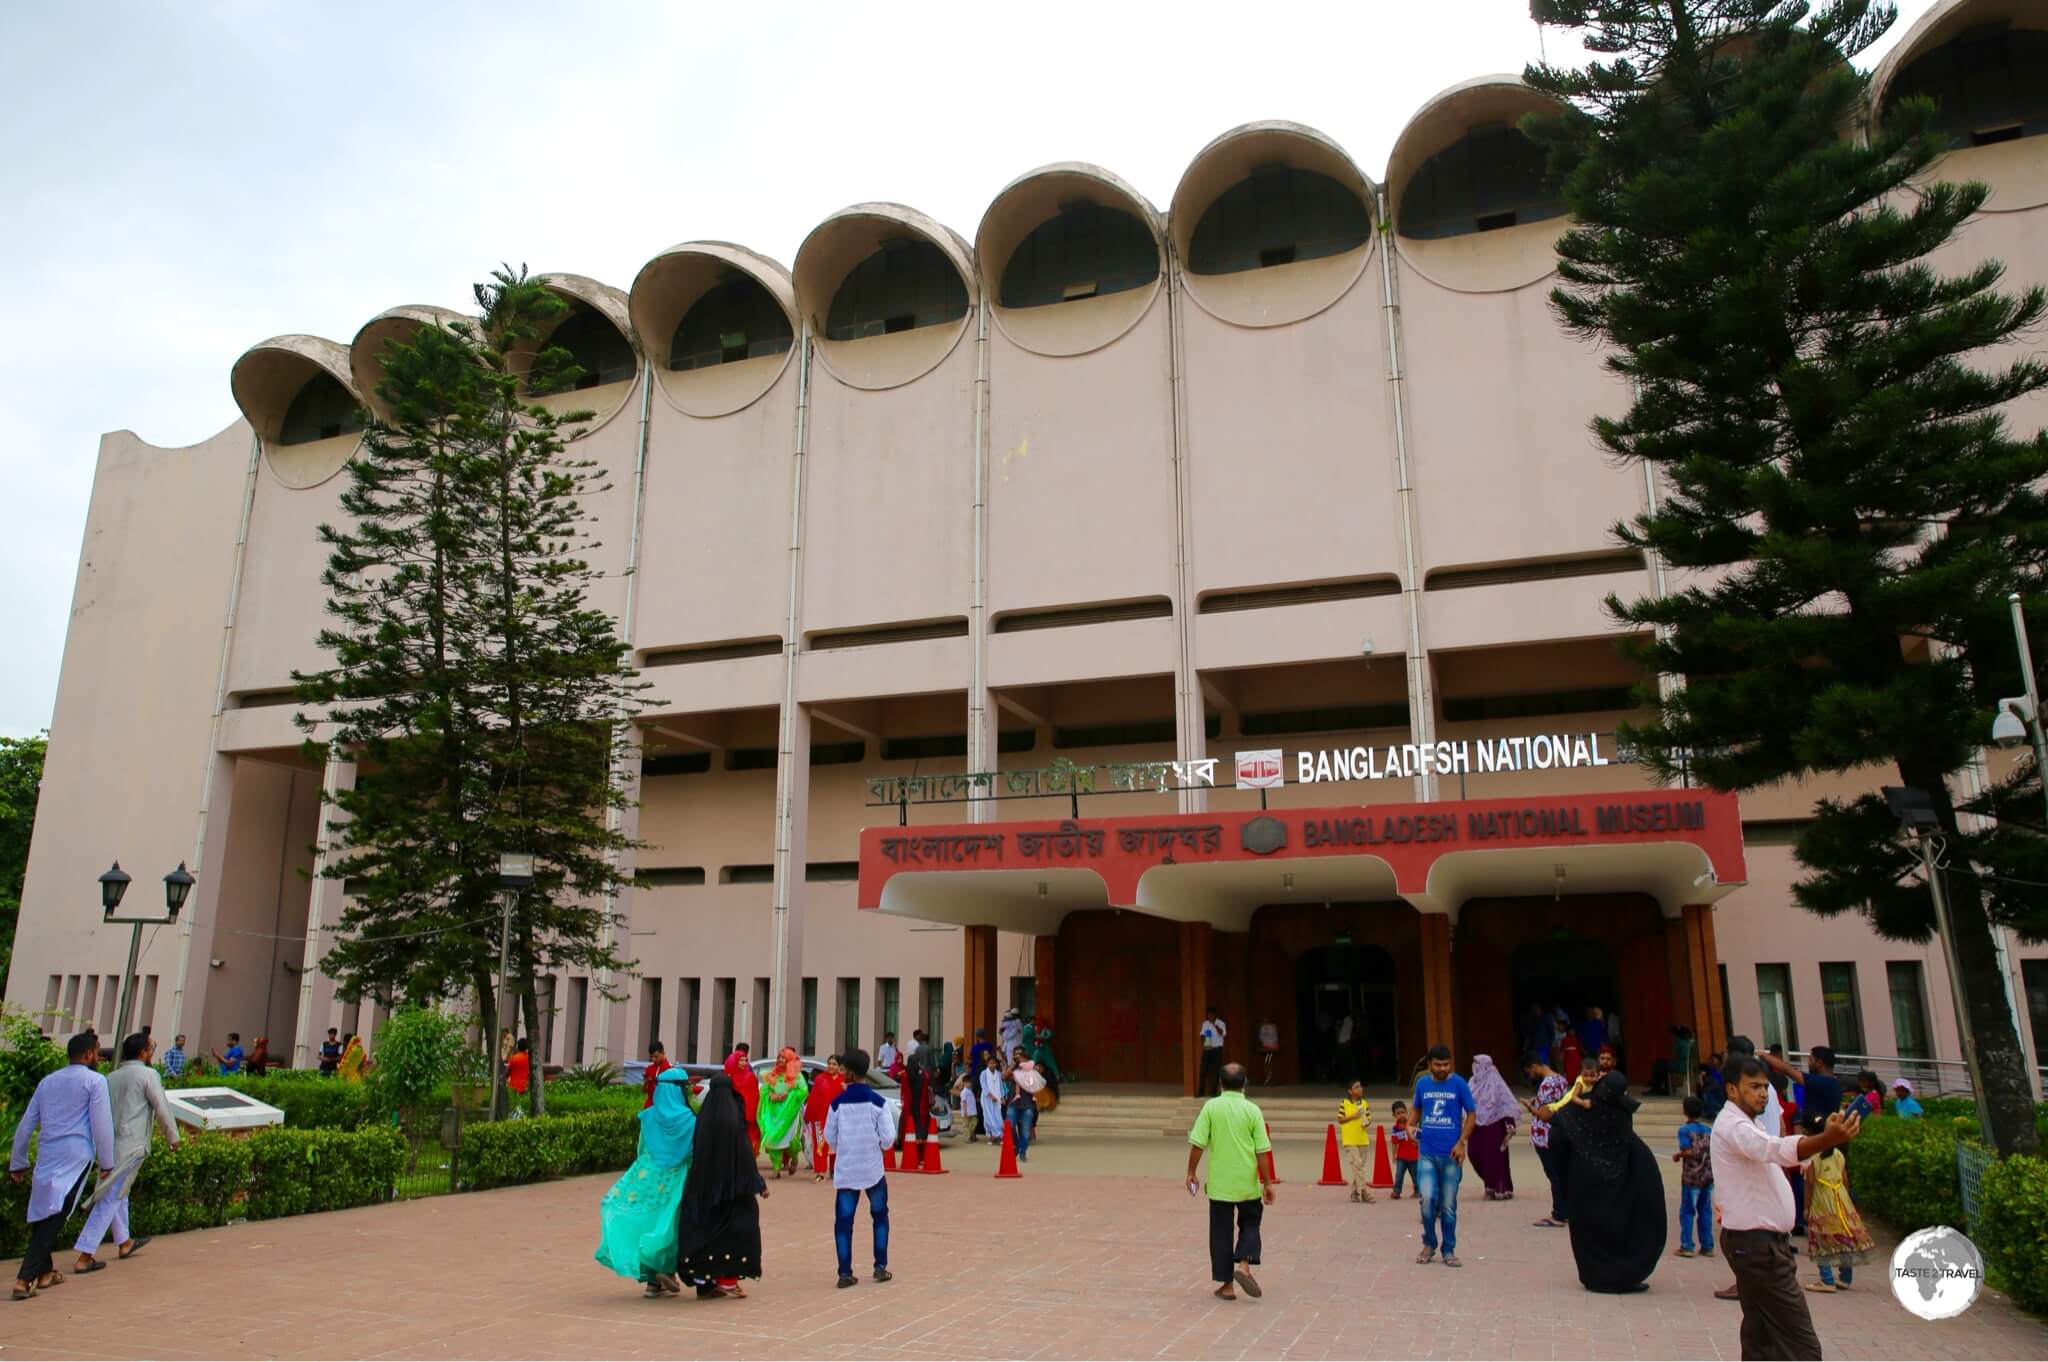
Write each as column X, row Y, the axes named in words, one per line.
column 483, row 699
column 1842, row 496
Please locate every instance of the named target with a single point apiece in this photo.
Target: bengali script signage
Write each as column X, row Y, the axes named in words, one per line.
column 1164, row 777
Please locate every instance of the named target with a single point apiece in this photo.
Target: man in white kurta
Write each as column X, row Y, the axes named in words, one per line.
column 992, row 1100
column 71, row 1113
column 1011, row 1034
column 136, row 1096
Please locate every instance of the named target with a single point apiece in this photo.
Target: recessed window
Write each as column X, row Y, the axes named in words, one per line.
column 596, row 347
column 1085, row 250
column 926, row 748
column 1989, row 84
column 746, row 874
column 321, row 410
column 736, row 319
column 1276, row 216
column 672, row 877
column 1329, row 719
column 675, row 764
column 1537, row 704
column 906, row 284
column 1492, row 177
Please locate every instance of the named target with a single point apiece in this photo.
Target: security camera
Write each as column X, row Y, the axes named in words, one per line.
column 1365, row 649
column 2009, row 729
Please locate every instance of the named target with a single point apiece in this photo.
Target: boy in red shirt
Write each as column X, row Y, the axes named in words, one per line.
column 1406, row 1149
column 657, row 1060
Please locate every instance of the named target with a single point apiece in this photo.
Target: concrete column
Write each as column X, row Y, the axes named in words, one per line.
column 792, row 842
column 1438, row 1028
column 607, row 1042
column 316, row 989
column 1196, row 939
column 1044, row 962
column 980, row 1006
column 1702, row 962
column 195, row 925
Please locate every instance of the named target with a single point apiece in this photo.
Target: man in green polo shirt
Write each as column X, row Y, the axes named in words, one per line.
column 1233, row 1130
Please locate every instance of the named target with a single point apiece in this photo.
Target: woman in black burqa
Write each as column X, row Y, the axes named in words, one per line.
column 718, row 1228
column 1611, row 1186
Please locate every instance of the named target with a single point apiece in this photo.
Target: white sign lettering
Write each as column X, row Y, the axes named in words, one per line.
column 1540, row 752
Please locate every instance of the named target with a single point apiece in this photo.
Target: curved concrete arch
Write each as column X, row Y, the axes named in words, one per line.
column 2017, row 171
column 662, row 295
column 398, row 323
column 1489, row 262
column 1085, row 324
column 831, row 251
column 609, row 399
column 1281, row 294
column 265, row 379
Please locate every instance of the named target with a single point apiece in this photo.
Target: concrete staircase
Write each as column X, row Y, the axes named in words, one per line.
column 1292, row 1113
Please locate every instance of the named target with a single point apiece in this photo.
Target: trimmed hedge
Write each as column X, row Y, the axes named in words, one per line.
column 211, row 1179
column 2012, row 1228
column 1905, row 1172
column 544, row 1148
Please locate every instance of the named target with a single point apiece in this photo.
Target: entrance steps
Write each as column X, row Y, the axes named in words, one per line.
column 1293, row 1113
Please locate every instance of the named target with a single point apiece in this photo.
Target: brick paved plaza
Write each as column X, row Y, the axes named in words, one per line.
column 1107, row 1262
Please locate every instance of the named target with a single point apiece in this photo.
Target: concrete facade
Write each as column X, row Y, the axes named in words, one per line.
column 1285, row 474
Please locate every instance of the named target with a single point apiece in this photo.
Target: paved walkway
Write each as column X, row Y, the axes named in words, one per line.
column 1104, row 1259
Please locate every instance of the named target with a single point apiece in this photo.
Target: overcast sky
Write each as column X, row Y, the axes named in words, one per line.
column 184, row 180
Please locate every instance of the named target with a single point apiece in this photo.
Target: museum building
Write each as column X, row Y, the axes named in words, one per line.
column 1132, row 609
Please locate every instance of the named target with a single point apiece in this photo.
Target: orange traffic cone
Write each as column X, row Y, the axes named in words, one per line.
column 1270, row 1159
column 1008, row 1167
column 889, row 1159
column 1382, row 1170
column 928, row 1158
column 1333, row 1170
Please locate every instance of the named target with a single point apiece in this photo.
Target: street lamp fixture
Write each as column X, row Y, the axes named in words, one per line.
column 113, row 886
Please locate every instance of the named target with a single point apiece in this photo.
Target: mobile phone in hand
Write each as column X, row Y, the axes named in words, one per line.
column 1194, row 1187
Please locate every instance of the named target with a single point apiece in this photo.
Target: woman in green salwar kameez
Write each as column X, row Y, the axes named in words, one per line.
column 782, row 1110
column 637, row 1220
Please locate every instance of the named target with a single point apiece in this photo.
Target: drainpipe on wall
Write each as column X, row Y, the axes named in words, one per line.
column 1190, row 718
column 980, row 753
column 785, row 756
column 220, row 704
column 627, row 751
column 1421, row 698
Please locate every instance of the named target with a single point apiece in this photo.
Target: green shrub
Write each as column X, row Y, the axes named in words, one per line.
column 1904, row 1172
column 26, row 1058
column 505, row 1153
column 2012, row 1228
column 416, row 1053
column 198, row 1185
column 578, row 1100
column 293, row 1172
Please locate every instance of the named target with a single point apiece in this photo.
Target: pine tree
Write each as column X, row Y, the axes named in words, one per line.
column 483, row 699
column 1842, row 499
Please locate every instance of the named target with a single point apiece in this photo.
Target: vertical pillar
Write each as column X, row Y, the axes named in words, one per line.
column 1196, row 938
column 979, row 1010
column 316, row 989
column 1436, row 980
column 792, row 836
column 1702, row 963
column 195, row 925
column 1044, row 954
column 607, row 1043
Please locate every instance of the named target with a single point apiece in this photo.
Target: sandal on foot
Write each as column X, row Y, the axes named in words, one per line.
column 1821, row 1288
column 1546, row 1223
column 1425, row 1255
column 22, row 1293
column 1244, row 1278
column 134, row 1247
column 53, row 1278
column 846, row 1281
column 1224, row 1293
column 883, row 1274
column 96, row 1266
column 1451, row 1260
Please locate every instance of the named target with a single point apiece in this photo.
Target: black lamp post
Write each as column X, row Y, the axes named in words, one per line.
column 114, row 884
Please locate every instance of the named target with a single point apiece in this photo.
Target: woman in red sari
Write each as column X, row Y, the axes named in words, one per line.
column 817, row 1107
column 739, row 1067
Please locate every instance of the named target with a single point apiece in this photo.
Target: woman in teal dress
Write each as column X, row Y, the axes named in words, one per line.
column 637, row 1219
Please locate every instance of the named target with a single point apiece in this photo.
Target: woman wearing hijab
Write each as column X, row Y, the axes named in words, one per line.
column 739, row 1067
column 637, row 1219
column 718, row 1228
column 353, row 1060
column 1493, row 1121
column 782, row 1109
column 1038, row 1043
column 817, row 1106
column 1612, row 1189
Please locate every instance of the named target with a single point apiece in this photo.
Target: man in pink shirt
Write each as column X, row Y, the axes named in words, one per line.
column 1755, row 1206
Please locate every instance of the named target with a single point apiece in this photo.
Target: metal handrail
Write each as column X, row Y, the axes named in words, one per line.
column 1931, row 1077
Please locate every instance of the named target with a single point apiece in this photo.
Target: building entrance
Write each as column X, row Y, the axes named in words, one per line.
column 1334, row 984
column 1572, row 973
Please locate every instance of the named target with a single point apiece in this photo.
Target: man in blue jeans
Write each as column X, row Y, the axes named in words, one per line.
column 1443, row 1123
column 858, row 1129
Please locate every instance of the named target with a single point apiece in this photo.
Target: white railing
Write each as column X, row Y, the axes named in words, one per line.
column 1930, row 1077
